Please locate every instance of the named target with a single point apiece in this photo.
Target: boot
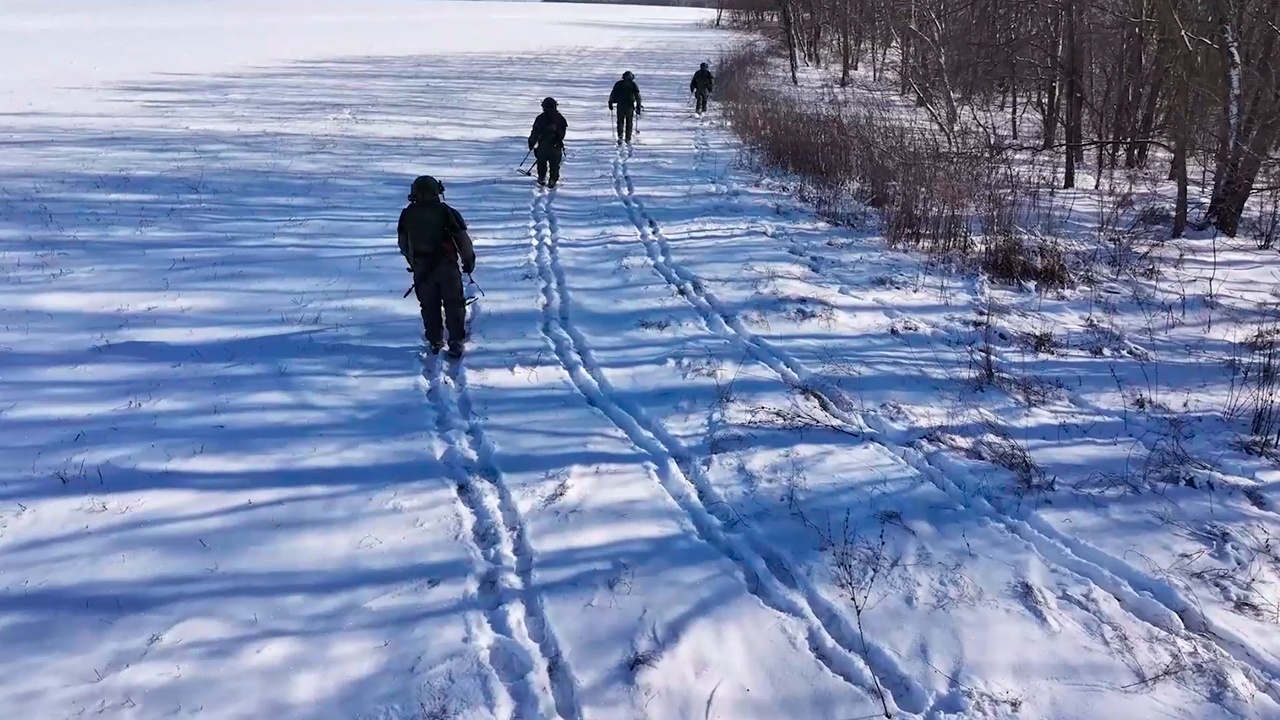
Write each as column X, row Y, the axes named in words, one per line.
column 455, row 349
column 434, row 347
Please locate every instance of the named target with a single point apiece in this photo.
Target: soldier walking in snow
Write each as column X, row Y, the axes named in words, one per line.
column 626, row 96
column 701, row 86
column 547, row 141
column 433, row 238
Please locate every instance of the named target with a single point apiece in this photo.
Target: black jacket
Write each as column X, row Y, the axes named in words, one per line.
column 431, row 232
column 702, row 81
column 626, row 95
column 548, row 133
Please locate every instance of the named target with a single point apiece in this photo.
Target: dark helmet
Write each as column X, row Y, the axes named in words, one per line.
column 426, row 187
column 549, row 103
column 627, row 75
column 704, row 66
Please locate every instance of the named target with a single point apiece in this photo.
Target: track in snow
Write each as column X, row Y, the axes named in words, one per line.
column 832, row 640
column 526, row 656
column 1148, row 599
column 717, row 319
column 1135, row 590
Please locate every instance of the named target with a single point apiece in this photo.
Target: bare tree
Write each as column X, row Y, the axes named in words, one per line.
column 1109, row 80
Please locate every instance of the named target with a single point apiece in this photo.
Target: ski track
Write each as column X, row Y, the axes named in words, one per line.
column 526, row 650
column 830, row 637
column 1148, row 599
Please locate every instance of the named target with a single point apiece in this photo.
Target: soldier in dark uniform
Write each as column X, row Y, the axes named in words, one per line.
column 433, row 239
column 547, row 141
column 626, row 96
column 701, row 86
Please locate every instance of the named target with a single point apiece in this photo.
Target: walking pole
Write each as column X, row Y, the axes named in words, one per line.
column 520, row 168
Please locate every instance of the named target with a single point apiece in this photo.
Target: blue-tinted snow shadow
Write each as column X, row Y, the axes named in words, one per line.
column 206, row 297
column 233, row 289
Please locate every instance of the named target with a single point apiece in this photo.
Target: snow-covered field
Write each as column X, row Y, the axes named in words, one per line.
column 668, row 480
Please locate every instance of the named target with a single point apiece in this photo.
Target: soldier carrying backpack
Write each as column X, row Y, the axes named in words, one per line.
column 701, row 86
column 433, row 238
column 547, row 141
column 626, row 95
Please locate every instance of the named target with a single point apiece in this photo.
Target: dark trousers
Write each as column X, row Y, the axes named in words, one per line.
column 626, row 121
column 439, row 291
column 549, row 162
column 701, row 96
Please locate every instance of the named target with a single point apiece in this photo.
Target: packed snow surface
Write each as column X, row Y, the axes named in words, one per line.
column 674, row 477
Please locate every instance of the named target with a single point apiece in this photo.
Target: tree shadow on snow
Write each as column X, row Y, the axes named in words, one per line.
column 202, row 295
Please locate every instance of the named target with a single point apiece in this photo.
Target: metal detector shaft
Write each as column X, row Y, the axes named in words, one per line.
column 520, row 168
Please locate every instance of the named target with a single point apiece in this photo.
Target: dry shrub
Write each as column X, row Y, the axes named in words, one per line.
column 1000, row 448
column 1255, row 386
column 953, row 199
column 1018, row 258
column 784, row 135
column 1131, row 236
column 1265, row 226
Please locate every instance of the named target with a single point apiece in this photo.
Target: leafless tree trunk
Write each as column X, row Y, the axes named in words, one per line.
column 1073, row 69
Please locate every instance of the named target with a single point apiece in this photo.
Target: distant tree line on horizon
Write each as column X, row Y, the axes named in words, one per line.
column 660, row 3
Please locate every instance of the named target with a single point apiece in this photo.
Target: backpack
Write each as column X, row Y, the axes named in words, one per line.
column 549, row 130
column 624, row 93
column 431, row 227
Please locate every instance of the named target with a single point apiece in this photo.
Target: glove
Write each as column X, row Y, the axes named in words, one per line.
column 468, row 268
column 611, row 106
column 531, row 144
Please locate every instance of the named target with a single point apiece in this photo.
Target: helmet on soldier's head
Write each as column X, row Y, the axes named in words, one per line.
column 548, row 103
column 704, row 66
column 627, row 75
column 425, row 187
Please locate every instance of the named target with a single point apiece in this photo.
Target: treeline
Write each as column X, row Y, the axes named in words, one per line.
column 1116, row 83
column 660, row 3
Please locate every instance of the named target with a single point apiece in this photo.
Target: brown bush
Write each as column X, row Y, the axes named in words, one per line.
column 953, row 199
